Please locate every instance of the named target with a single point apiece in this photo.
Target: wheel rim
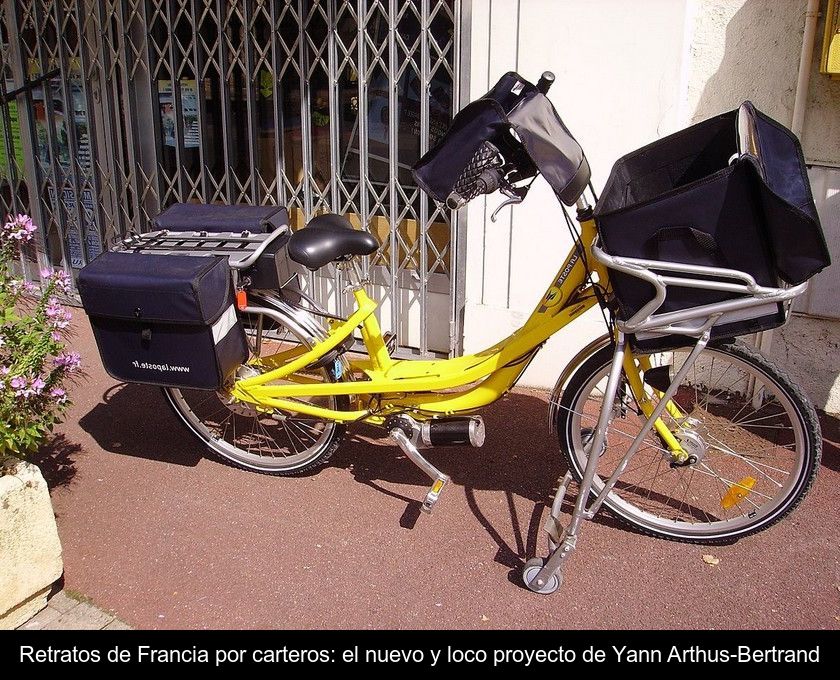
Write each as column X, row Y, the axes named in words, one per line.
column 744, row 437
column 261, row 441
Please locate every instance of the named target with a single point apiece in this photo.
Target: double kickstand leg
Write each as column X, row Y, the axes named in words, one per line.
column 546, row 576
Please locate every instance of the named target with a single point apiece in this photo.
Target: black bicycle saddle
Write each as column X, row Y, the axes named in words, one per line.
column 329, row 238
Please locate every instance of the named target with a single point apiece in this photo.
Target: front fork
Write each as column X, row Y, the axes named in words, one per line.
column 545, row 576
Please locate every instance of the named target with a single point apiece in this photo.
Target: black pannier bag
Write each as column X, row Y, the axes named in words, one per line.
column 546, row 143
column 214, row 218
column 730, row 192
column 164, row 319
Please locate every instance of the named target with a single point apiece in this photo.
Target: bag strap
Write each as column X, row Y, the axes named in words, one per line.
column 704, row 240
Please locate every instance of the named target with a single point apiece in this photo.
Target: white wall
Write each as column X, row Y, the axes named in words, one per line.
column 618, row 87
column 627, row 73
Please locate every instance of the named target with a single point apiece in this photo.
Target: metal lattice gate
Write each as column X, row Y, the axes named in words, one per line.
column 115, row 109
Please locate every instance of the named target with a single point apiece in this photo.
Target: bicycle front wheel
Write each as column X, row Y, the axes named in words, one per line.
column 755, row 437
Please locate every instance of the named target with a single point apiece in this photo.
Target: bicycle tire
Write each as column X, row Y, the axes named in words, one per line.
column 808, row 450
column 297, row 463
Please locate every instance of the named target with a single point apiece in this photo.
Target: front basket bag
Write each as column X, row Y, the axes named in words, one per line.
column 166, row 320
column 730, row 192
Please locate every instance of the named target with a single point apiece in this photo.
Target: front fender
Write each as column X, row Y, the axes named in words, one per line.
column 554, row 400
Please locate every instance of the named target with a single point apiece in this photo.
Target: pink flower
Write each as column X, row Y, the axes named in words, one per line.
column 57, row 316
column 4, row 370
column 53, row 308
column 58, row 395
column 37, row 385
column 58, row 277
column 18, row 384
column 69, row 360
column 19, row 228
column 62, row 323
column 62, row 281
column 56, row 336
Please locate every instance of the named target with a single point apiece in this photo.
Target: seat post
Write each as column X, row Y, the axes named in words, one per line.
column 350, row 268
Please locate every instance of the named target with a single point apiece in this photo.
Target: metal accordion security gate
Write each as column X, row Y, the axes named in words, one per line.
column 111, row 110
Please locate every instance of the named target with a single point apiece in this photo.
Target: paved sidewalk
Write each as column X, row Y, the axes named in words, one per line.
column 64, row 612
column 166, row 537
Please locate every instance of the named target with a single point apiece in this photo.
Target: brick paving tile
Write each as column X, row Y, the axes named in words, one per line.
column 82, row 617
column 116, row 624
column 66, row 613
column 62, row 602
column 42, row 619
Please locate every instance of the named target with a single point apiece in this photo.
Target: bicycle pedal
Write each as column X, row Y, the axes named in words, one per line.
column 433, row 494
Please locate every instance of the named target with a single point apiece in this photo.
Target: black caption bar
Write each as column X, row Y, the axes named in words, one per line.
column 422, row 650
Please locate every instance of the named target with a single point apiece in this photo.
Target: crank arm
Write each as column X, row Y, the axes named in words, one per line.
column 439, row 480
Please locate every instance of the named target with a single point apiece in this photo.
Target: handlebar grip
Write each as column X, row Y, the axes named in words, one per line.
column 486, row 183
column 489, row 181
column 545, row 82
column 455, row 201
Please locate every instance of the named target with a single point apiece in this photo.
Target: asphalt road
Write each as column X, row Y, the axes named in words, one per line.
column 167, row 538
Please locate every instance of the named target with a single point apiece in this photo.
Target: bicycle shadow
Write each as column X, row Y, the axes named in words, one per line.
column 831, row 441
column 520, row 458
column 130, row 416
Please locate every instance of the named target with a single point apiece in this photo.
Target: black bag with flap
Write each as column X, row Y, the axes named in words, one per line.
column 541, row 143
column 214, row 218
column 166, row 320
column 730, row 192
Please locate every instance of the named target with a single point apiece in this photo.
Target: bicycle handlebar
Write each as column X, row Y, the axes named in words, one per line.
column 484, row 173
column 481, row 176
column 487, row 182
column 545, row 82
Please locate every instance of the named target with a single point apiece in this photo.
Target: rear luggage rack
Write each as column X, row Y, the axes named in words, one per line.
column 244, row 243
column 260, row 257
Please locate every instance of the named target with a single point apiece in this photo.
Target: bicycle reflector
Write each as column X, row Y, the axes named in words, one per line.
column 737, row 493
column 241, row 300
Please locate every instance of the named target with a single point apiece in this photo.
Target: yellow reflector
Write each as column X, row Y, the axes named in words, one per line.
column 737, row 492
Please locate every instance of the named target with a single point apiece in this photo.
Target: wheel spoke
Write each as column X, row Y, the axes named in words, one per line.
column 734, row 436
column 258, row 440
column 725, row 449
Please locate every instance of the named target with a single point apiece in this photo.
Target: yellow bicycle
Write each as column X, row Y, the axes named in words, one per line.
column 696, row 438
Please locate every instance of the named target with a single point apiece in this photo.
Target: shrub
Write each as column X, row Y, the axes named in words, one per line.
column 35, row 365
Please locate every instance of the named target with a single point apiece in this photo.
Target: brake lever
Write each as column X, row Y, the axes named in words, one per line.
column 515, row 196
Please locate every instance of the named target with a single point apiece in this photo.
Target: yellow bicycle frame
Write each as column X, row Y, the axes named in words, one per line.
column 444, row 386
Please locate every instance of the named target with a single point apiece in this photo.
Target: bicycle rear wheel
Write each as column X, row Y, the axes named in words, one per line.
column 276, row 442
column 755, row 436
